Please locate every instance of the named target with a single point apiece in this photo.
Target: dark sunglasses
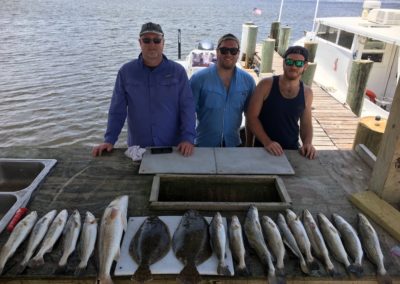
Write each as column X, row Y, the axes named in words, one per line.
column 148, row 40
column 231, row 50
column 297, row 63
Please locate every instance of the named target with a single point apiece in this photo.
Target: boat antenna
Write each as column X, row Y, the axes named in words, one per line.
column 280, row 11
column 315, row 15
column 179, row 43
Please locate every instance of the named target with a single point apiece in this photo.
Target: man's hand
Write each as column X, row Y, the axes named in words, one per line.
column 274, row 148
column 98, row 150
column 308, row 151
column 186, row 148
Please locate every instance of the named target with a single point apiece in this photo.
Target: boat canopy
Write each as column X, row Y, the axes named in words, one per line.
column 386, row 33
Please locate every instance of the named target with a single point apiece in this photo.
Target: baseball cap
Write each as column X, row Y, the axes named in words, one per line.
column 151, row 28
column 296, row 49
column 228, row 37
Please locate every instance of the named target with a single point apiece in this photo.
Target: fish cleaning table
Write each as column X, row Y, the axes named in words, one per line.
column 239, row 160
column 79, row 181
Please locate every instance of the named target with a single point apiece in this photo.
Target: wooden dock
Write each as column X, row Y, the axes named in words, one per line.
column 334, row 123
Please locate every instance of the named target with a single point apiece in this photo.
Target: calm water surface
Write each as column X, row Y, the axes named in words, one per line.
column 59, row 59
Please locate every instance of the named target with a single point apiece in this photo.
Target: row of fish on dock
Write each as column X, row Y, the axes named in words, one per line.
column 45, row 232
column 305, row 238
column 194, row 241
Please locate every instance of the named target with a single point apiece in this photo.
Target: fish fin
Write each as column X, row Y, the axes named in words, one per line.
column 384, row 279
column 357, row 270
column 223, row 270
column 124, row 222
column 142, row 274
column 36, row 261
column 189, row 274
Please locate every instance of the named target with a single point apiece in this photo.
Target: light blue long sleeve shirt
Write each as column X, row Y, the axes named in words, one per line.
column 157, row 103
column 219, row 112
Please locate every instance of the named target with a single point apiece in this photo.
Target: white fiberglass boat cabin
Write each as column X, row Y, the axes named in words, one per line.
column 374, row 36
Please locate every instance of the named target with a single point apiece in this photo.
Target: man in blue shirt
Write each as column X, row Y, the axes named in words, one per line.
column 154, row 95
column 222, row 92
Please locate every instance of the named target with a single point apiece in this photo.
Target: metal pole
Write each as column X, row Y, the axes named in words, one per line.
column 280, row 11
column 315, row 15
column 179, row 43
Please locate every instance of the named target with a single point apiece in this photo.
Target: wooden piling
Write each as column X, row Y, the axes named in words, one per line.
column 243, row 41
column 308, row 75
column 360, row 70
column 274, row 33
column 251, row 45
column 370, row 131
column 284, row 36
column 311, row 46
column 267, row 54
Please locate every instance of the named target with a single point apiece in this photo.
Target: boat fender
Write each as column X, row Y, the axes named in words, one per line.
column 371, row 95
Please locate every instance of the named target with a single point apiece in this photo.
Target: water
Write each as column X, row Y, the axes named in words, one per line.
column 59, row 59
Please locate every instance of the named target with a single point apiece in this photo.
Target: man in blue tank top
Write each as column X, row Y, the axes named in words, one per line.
column 279, row 103
column 222, row 92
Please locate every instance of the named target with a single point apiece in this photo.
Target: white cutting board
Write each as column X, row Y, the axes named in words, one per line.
column 169, row 264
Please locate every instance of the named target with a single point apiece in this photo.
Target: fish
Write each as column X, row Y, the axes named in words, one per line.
column 237, row 246
column 112, row 227
column 150, row 244
column 253, row 231
column 290, row 241
column 275, row 243
column 191, row 245
column 71, row 234
column 218, row 243
column 317, row 241
column 18, row 235
column 37, row 235
column 302, row 240
column 51, row 237
column 351, row 242
column 87, row 241
column 372, row 247
column 334, row 242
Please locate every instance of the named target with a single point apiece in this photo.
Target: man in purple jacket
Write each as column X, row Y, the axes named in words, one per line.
column 154, row 95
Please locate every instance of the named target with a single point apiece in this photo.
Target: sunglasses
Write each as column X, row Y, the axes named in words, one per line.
column 231, row 50
column 148, row 40
column 297, row 63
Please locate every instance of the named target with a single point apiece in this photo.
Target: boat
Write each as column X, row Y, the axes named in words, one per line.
column 375, row 36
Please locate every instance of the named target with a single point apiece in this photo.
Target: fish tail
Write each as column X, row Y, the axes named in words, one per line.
column 357, row 270
column 223, row 270
column 21, row 267
column 104, row 280
column 80, row 268
column 189, row 274
column 273, row 279
column 304, row 266
column 332, row 272
column 142, row 274
column 37, row 261
column 384, row 279
column 63, row 261
column 280, row 271
column 242, row 271
column 313, row 265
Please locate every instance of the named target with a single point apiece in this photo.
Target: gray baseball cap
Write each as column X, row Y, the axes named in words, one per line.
column 296, row 49
column 151, row 28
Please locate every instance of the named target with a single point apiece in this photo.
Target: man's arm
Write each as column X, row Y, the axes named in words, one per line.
column 306, row 128
column 256, row 102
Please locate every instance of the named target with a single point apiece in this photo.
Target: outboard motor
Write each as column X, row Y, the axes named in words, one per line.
column 205, row 45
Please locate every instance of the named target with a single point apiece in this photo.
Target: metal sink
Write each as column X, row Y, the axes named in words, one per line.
column 18, row 179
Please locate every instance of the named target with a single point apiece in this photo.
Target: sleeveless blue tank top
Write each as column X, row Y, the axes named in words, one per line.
column 280, row 116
